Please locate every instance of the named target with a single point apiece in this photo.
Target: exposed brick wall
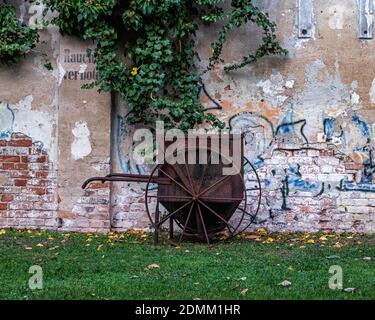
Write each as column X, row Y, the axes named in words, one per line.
column 128, row 207
column 27, row 185
column 302, row 192
column 29, row 192
column 311, row 197
column 90, row 213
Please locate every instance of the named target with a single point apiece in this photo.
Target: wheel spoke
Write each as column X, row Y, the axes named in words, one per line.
column 216, row 214
column 173, row 213
column 176, row 198
column 189, row 177
column 204, row 173
column 179, row 172
column 222, row 199
column 203, row 224
column 187, row 222
column 179, row 184
column 214, row 185
column 247, row 213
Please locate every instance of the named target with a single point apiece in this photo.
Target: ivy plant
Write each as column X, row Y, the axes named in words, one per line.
column 146, row 50
column 16, row 40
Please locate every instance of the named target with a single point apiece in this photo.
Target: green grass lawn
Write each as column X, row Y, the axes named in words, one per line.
column 128, row 266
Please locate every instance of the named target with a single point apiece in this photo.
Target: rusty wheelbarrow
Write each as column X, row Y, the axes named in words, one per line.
column 197, row 198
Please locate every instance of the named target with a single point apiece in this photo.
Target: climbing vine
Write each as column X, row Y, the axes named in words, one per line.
column 146, row 50
column 15, row 40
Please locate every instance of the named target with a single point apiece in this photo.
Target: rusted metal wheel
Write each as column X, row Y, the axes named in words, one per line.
column 202, row 202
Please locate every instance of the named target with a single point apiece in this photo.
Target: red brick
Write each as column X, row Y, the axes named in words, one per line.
column 25, row 159
column 3, row 143
column 39, row 191
column 3, row 206
column 9, row 159
column 42, row 174
column 20, row 143
column 326, row 153
column 99, row 186
column 7, row 198
column 21, row 166
column 8, row 166
column 20, row 183
column 41, row 159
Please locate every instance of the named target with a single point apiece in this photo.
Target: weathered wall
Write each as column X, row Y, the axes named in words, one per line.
column 53, row 136
column 308, row 120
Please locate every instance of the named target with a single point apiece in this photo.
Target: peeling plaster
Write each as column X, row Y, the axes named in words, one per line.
column 289, row 84
column 81, row 146
column 60, row 74
column 273, row 89
column 372, row 92
column 38, row 125
column 336, row 19
column 324, row 95
column 22, row 118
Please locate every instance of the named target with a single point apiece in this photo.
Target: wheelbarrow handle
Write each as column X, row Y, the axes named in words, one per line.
column 119, row 177
column 91, row 180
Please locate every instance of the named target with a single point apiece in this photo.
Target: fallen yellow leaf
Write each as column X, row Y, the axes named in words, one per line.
column 261, row 231
column 244, row 292
column 153, row 266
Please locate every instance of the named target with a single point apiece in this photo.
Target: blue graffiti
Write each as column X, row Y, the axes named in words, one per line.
column 287, row 125
column 294, row 179
column 362, row 126
column 120, row 132
column 267, row 182
column 329, row 129
column 7, row 119
column 368, row 165
column 259, row 163
column 346, row 185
